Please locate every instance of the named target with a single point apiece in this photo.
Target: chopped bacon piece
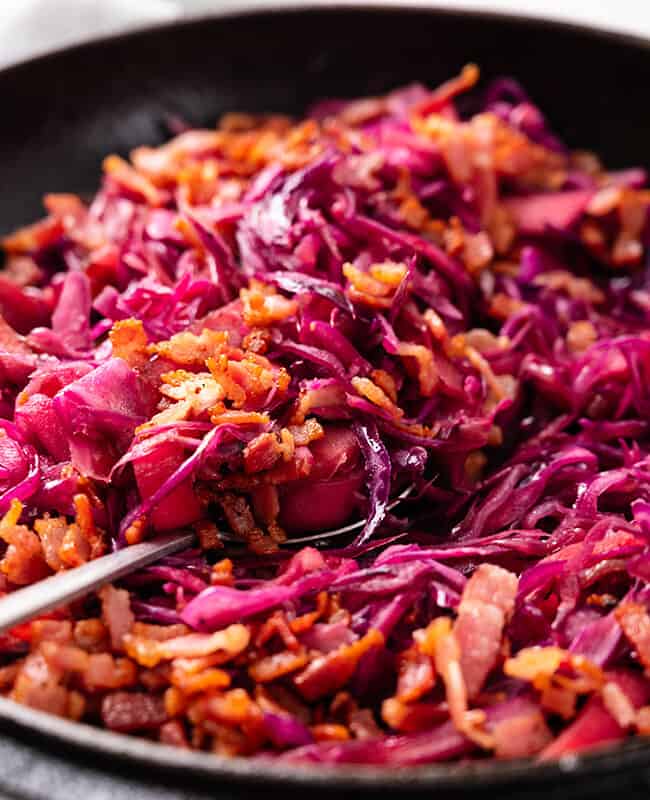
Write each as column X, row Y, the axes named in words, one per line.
column 24, row 561
column 635, row 622
column 329, row 732
column 412, row 717
column 122, row 172
column 486, row 605
column 106, row 672
column 366, row 388
column 580, row 336
column 595, row 726
column 262, row 453
column 275, row 666
column 133, row 711
column 618, row 704
column 90, row 634
column 577, row 288
column 206, row 681
column 52, row 531
column 38, row 685
column 117, row 614
column 66, row 658
column 416, row 676
column 327, row 673
column 51, row 630
column 34, row 237
column 129, row 341
column 228, row 643
column 277, row 624
column 242, row 523
column 263, row 306
column 160, row 633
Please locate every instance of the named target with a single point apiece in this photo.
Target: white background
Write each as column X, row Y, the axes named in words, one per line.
column 28, row 27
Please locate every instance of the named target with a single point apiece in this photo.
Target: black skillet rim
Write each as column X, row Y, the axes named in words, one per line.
column 632, row 754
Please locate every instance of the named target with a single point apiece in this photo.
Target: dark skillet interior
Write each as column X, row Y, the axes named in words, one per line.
column 63, row 113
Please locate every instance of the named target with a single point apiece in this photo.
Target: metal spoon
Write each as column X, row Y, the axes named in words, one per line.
column 64, row 587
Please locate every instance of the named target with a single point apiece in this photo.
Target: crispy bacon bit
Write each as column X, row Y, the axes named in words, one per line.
column 329, row 732
column 327, row 673
column 486, row 605
column 248, row 379
column 208, row 680
column 277, row 625
column 410, row 718
column 580, row 336
column 192, row 395
column 618, row 704
column 468, row 146
column 117, row 614
column 275, row 666
column 23, row 562
column 86, row 524
column 375, row 287
column 51, row 630
column 445, row 93
column 535, row 664
column 51, row 531
column 33, row 237
column 263, row 452
column 136, row 531
column 309, row 431
column 439, row 641
column 219, row 417
column 90, row 634
column 499, row 386
column 105, row 672
column 221, row 573
column 577, row 288
column 129, row 341
column 541, row 665
column 242, row 523
column 160, row 633
column 366, row 388
column 191, row 350
column 257, row 341
column 208, row 535
column 38, row 685
column 426, row 366
column 635, row 622
column 263, row 306
column 122, row 172
column 416, row 676
column 503, row 306
column 66, row 658
column 227, row 643
column 435, row 325
column 331, row 395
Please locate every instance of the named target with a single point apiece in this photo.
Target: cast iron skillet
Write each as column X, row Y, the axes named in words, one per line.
column 61, row 114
